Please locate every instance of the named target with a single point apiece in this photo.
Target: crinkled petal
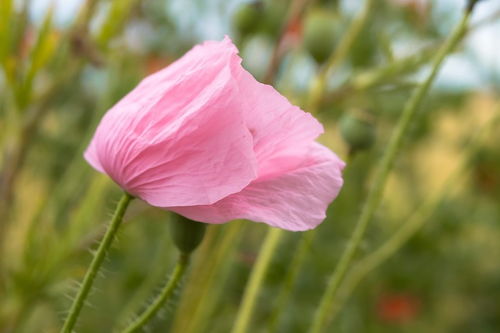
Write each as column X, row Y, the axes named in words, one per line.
column 296, row 200
column 180, row 137
column 279, row 128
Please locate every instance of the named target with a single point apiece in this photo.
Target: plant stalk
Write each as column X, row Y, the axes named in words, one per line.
column 164, row 295
column 256, row 278
column 96, row 263
column 375, row 195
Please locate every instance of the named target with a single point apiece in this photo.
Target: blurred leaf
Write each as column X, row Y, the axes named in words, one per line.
column 41, row 53
column 6, row 13
column 115, row 20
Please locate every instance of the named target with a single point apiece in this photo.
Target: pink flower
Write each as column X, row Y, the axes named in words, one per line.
column 204, row 139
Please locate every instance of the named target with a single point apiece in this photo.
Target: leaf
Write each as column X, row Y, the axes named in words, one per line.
column 40, row 54
column 114, row 21
column 6, row 12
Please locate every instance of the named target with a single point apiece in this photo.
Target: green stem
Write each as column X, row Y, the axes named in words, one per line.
column 96, row 263
column 211, row 282
column 375, row 195
column 166, row 292
column 256, row 278
column 290, row 279
column 415, row 222
column 156, row 275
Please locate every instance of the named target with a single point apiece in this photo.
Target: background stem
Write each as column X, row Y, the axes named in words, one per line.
column 290, row 279
column 385, row 166
column 257, row 276
column 416, row 221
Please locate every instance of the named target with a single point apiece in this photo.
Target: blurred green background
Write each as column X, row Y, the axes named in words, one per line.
column 64, row 63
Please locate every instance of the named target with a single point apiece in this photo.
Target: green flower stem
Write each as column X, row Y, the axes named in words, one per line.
column 290, row 279
column 375, row 195
column 255, row 281
column 318, row 86
column 416, row 221
column 391, row 246
column 211, row 287
column 156, row 275
column 164, row 295
column 192, row 293
column 300, row 255
column 96, row 263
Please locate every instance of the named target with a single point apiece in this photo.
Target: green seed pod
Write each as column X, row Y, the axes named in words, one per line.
column 247, row 17
column 186, row 234
column 364, row 50
column 320, row 34
column 357, row 130
column 274, row 14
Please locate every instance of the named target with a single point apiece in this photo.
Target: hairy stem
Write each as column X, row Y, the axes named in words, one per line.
column 96, row 263
column 163, row 297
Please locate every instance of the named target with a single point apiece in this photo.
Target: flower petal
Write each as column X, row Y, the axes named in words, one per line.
column 296, row 200
column 179, row 138
column 278, row 127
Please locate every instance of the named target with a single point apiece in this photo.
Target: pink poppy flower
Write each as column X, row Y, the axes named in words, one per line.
column 206, row 140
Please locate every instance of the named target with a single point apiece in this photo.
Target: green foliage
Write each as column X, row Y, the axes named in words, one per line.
column 56, row 82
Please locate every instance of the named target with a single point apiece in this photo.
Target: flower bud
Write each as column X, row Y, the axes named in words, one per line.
column 357, row 130
column 320, row 34
column 186, row 234
column 274, row 15
column 247, row 17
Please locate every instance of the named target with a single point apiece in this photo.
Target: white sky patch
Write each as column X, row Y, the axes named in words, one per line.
column 65, row 10
column 459, row 73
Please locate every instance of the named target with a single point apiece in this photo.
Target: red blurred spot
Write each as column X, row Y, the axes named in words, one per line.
column 292, row 34
column 398, row 308
column 26, row 42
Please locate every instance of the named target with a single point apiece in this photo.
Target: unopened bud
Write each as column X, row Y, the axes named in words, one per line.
column 320, row 34
column 357, row 129
column 186, row 234
column 247, row 17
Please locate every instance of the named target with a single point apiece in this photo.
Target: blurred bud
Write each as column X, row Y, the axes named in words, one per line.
column 274, row 13
column 320, row 34
column 186, row 234
column 247, row 17
column 357, row 130
column 364, row 51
